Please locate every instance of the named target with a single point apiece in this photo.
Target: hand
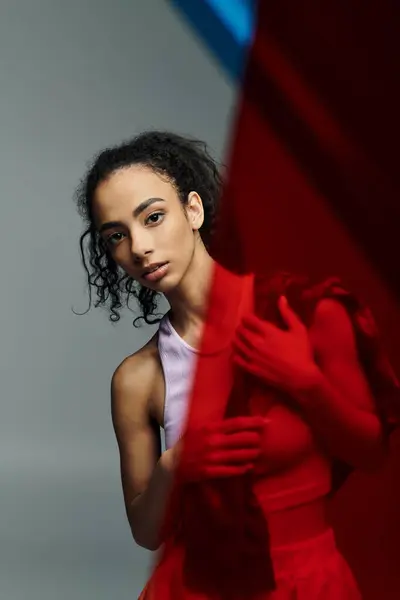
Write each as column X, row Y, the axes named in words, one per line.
column 224, row 449
column 281, row 358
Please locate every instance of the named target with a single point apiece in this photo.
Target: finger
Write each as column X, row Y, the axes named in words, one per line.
column 289, row 316
column 248, row 366
column 243, row 338
column 223, row 472
column 238, row 424
column 236, row 456
column 241, row 440
column 244, row 352
column 256, row 325
column 243, row 345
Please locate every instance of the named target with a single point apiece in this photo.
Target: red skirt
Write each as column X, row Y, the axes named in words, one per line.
column 310, row 570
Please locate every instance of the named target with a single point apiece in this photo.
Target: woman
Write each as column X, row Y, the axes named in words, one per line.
column 316, row 398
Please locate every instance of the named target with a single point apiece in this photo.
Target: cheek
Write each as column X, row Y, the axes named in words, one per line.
column 177, row 233
column 184, row 228
column 184, row 241
column 121, row 254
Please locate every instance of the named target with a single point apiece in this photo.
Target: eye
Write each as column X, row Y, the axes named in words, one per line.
column 114, row 238
column 154, row 218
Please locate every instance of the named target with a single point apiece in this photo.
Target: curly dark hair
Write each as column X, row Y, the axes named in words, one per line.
column 187, row 163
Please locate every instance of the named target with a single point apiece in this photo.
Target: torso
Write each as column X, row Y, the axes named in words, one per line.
column 293, row 482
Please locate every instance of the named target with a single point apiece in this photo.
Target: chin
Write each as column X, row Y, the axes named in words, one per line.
column 163, row 286
column 167, row 285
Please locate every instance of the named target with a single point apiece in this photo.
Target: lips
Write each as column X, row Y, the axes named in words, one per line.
column 155, row 271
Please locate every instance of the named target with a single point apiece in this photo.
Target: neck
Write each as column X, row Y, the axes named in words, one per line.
column 199, row 297
column 190, row 299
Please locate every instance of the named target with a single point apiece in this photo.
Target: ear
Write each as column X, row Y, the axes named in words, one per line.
column 195, row 211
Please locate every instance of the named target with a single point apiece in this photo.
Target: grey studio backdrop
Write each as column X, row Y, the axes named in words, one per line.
column 76, row 75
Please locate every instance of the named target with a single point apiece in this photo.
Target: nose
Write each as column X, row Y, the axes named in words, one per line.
column 140, row 247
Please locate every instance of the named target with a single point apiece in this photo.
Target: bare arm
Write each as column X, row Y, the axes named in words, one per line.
column 146, row 475
column 226, row 448
column 339, row 403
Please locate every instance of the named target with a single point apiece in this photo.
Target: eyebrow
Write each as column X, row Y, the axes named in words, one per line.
column 136, row 213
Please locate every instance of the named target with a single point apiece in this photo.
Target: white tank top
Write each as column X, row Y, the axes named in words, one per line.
column 178, row 361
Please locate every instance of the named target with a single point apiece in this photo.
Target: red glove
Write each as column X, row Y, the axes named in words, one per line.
column 223, row 449
column 280, row 358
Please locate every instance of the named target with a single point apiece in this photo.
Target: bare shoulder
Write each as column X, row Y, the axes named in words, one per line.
column 332, row 329
column 137, row 432
column 132, row 383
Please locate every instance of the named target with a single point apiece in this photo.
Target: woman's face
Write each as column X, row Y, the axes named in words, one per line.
column 148, row 231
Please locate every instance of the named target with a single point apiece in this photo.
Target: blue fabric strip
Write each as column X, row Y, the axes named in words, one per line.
column 226, row 28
